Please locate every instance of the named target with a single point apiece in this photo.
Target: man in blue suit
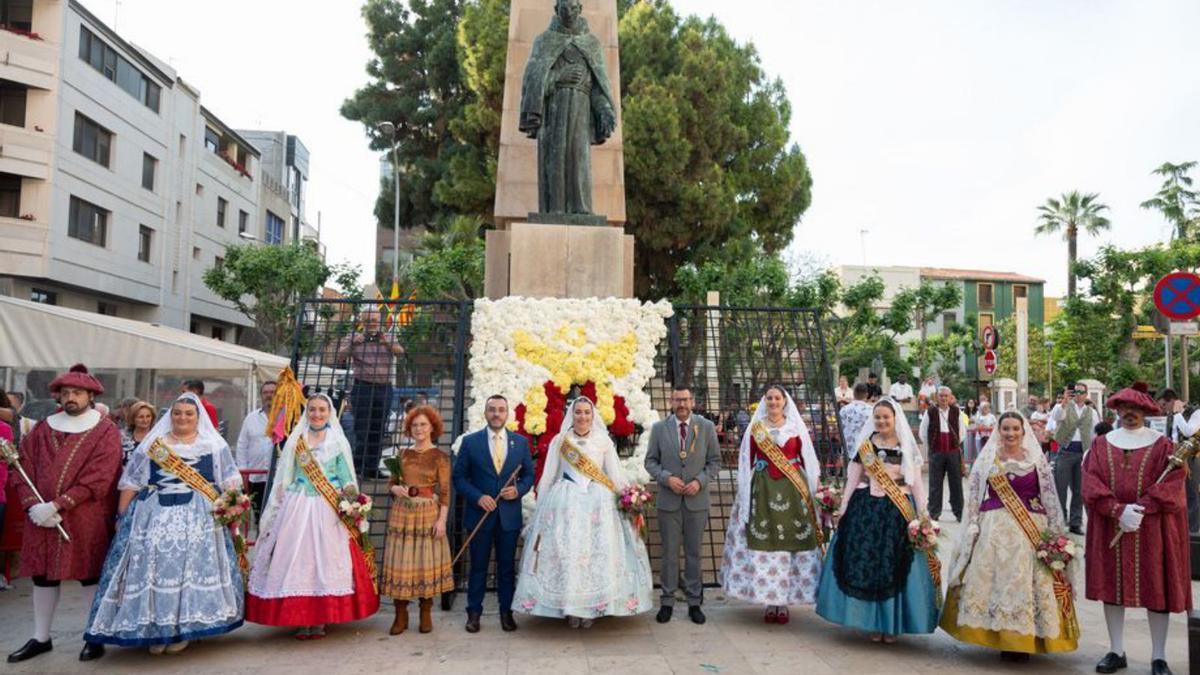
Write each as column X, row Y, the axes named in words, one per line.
column 486, row 459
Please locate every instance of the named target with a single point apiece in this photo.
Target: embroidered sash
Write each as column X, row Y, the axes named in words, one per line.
column 312, row 470
column 1062, row 586
column 584, row 465
column 874, row 468
column 775, row 456
column 170, row 462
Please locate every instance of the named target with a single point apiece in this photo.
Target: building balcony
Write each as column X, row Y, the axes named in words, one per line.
column 24, row 152
column 24, row 246
column 30, row 61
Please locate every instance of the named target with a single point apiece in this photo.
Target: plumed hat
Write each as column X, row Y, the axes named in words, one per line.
column 1137, row 396
column 78, row 377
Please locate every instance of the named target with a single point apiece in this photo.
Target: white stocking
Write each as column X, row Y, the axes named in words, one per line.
column 1159, row 623
column 45, row 601
column 1114, row 616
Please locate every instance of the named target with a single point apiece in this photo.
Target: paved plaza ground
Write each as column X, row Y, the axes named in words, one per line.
column 734, row 641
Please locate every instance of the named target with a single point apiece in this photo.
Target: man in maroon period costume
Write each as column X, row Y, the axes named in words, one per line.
column 74, row 459
column 1149, row 566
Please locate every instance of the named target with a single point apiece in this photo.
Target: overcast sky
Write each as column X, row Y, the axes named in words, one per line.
column 938, row 127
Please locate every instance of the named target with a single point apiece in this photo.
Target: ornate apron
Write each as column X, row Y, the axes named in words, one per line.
column 775, row 456
column 879, row 474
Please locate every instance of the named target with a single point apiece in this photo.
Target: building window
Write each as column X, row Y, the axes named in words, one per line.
column 274, row 229
column 44, row 297
column 149, row 168
column 87, row 222
column 145, row 243
column 17, row 14
column 12, row 103
column 195, row 327
column 1020, row 291
column 195, row 253
column 222, row 205
column 10, row 195
column 218, row 333
column 106, row 308
column 212, row 140
column 985, row 294
column 92, row 140
column 118, row 69
column 243, row 222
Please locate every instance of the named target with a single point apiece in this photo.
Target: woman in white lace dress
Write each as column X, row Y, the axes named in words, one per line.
column 582, row 558
column 1000, row 595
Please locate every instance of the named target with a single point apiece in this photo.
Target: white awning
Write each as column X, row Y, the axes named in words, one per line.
column 35, row 335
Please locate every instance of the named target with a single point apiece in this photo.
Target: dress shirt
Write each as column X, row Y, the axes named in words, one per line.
column 900, row 391
column 254, row 447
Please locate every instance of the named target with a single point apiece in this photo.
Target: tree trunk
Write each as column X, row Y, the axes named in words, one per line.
column 1072, row 251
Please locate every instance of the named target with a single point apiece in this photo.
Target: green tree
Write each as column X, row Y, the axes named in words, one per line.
column 266, row 283
column 915, row 309
column 1176, row 200
column 1069, row 214
column 415, row 84
column 1039, row 356
column 707, row 154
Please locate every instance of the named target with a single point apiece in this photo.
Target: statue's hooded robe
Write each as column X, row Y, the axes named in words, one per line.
column 566, row 119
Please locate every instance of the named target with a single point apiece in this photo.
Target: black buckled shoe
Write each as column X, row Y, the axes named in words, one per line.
column 1111, row 663
column 91, row 651
column 29, row 650
column 507, row 623
column 472, row 622
column 696, row 615
column 664, row 614
column 1159, row 667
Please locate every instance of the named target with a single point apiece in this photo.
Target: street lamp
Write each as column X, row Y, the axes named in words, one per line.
column 389, row 129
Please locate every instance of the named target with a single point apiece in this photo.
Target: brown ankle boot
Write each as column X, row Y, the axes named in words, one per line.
column 400, row 624
column 426, row 615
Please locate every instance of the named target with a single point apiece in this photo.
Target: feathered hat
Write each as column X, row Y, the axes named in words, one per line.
column 1137, row 396
column 78, row 377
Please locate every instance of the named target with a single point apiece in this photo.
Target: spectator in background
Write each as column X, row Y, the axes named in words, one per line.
column 139, row 419
column 372, row 352
column 928, row 391
column 197, row 388
column 853, row 417
column 1039, row 422
column 971, row 408
column 984, row 423
column 255, row 449
column 1075, row 425
column 874, row 391
column 19, row 424
column 1102, row 429
column 120, row 414
column 844, row 394
column 901, row 391
column 943, row 434
column 102, row 408
column 1031, row 407
column 1183, row 421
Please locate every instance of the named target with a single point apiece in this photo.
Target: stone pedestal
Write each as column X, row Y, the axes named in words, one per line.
column 559, row 261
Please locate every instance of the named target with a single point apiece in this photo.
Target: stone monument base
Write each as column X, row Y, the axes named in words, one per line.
column 537, row 260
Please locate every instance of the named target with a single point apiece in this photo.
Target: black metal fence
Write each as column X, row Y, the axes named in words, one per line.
column 726, row 356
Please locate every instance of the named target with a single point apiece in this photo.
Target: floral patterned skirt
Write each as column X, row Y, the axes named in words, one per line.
column 582, row 557
column 415, row 565
column 767, row 577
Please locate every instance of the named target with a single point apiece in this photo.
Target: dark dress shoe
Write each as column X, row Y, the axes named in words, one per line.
column 31, row 649
column 1159, row 667
column 507, row 623
column 91, row 651
column 696, row 615
column 1014, row 657
column 472, row 622
column 1077, row 530
column 664, row 614
column 1111, row 663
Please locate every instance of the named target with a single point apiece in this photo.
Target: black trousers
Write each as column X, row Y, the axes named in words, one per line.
column 371, row 404
column 945, row 466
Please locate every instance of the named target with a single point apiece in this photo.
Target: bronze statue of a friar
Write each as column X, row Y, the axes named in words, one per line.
column 568, row 106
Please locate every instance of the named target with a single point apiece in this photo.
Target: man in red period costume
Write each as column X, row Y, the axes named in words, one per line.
column 1149, row 566
column 74, row 459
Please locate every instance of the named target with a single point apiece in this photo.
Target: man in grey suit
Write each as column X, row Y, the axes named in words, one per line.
column 683, row 457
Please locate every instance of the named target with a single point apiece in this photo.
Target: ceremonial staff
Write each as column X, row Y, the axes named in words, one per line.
column 1184, row 452
column 10, row 454
column 508, row 483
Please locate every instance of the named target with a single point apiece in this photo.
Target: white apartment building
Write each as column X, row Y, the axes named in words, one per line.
column 118, row 189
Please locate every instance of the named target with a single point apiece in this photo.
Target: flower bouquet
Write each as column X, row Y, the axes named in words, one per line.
column 829, row 500
column 1056, row 551
column 232, row 509
column 355, row 508
column 923, row 534
column 636, row 501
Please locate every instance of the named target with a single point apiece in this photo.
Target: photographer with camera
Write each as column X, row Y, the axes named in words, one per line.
column 372, row 352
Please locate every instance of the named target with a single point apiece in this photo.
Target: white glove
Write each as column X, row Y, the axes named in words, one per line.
column 1131, row 518
column 54, row 521
column 41, row 514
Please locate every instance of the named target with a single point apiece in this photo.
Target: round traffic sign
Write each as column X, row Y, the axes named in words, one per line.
column 991, row 337
column 1177, row 296
column 989, row 362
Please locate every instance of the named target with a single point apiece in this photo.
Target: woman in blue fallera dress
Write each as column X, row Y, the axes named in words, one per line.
column 873, row 579
column 171, row 575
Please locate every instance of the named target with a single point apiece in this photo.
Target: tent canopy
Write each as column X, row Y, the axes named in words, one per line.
column 35, row 335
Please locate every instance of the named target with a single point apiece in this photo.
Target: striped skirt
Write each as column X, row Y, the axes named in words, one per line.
column 415, row 565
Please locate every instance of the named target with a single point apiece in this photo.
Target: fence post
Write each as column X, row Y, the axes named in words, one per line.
column 673, row 346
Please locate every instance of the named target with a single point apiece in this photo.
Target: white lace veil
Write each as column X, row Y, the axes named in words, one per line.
column 977, row 491
column 285, row 469
column 551, row 470
column 911, row 459
column 793, row 426
column 137, row 471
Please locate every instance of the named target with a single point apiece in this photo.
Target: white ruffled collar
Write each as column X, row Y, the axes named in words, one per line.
column 74, row 424
column 1136, row 439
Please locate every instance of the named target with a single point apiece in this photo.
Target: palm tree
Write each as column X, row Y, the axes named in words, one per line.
column 1176, row 199
column 1070, row 213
